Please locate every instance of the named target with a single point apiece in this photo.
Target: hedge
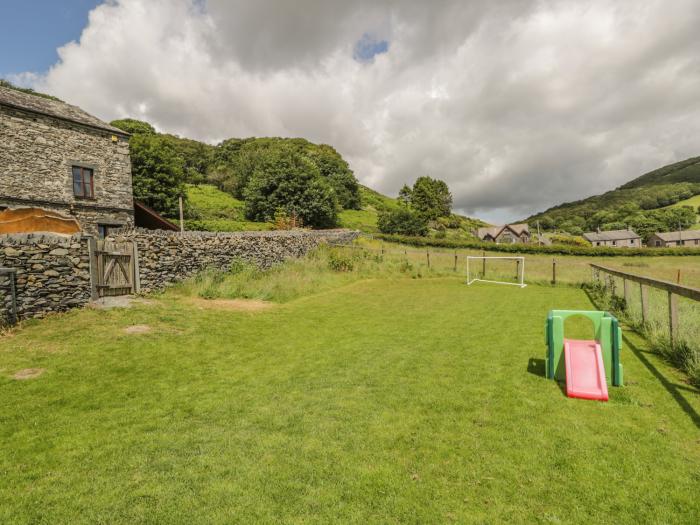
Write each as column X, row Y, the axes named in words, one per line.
column 536, row 249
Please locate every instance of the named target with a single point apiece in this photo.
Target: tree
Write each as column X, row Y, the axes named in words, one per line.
column 405, row 195
column 402, row 221
column 281, row 179
column 134, row 126
column 334, row 168
column 431, row 197
column 157, row 172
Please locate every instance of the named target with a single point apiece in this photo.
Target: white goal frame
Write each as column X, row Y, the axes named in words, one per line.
column 521, row 267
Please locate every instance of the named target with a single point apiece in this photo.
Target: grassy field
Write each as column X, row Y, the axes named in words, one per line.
column 538, row 268
column 370, row 395
column 694, row 201
column 210, row 209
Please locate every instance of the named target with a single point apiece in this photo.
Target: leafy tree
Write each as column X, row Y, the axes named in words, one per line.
column 158, row 173
column 134, row 126
column 405, row 195
column 431, row 197
column 283, row 180
column 403, row 221
column 334, row 168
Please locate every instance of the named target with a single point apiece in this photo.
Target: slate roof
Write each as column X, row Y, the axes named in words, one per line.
column 495, row 231
column 612, row 235
column 687, row 235
column 53, row 108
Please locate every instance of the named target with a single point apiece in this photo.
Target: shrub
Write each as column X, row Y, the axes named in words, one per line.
column 402, row 221
column 339, row 262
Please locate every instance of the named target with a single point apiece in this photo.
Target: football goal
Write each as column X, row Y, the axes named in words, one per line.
column 496, row 270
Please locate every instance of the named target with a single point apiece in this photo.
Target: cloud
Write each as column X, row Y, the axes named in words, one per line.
column 517, row 104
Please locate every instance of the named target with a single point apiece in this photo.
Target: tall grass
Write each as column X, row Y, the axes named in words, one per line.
column 323, row 269
column 684, row 352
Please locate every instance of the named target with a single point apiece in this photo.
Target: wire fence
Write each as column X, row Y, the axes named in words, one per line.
column 540, row 269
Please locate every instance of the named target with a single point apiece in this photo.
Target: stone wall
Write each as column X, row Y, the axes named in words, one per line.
column 53, row 271
column 167, row 257
column 36, row 159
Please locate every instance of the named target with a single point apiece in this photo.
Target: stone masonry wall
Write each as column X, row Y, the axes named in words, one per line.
column 36, row 159
column 53, row 271
column 167, row 257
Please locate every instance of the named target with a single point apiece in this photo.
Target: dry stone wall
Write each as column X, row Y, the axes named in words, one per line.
column 167, row 257
column 53, row 271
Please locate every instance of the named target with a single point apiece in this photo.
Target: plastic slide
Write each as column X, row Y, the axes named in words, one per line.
column 585, row 371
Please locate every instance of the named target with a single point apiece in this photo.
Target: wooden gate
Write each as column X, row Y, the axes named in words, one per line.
column 113, row 268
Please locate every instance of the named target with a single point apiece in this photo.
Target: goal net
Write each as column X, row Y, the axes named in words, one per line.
column 496, row 270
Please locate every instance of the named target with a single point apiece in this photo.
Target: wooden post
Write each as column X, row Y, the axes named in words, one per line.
column 678, row 277
column 92, row 255
column 673, row 317
column 626, row 292
column 455, row 268
column 427, row 255
column 182, row 216
column 483, row 264
column 554, row 271
column 517, row 269
column 382, row 248
column 643, row 292
column 13, row 294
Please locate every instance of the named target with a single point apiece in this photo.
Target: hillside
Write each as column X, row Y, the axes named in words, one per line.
column 210, row 209
column 647, row 203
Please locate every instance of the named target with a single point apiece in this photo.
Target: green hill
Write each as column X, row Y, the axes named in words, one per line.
column 651, row 202
column 210, row 209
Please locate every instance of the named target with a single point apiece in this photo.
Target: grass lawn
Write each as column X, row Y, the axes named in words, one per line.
column 392, row 400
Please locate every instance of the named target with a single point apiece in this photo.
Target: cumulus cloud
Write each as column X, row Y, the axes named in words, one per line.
column 517, row 104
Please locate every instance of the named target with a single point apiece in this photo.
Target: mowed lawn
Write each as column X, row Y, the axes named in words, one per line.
column 384, row 401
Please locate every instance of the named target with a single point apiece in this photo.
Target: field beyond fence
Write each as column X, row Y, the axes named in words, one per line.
column 671, row 322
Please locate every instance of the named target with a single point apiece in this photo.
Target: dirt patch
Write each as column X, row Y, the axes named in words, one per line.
column 137, row 329
column 239, row 305
column 121, row 301
column 28, row 373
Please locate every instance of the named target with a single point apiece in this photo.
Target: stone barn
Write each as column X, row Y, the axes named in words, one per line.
column 63, row 163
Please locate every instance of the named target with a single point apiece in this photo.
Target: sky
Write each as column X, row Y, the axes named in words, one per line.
column 517, row 104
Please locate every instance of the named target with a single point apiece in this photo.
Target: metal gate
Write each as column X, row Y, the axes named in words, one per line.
column 113, row 268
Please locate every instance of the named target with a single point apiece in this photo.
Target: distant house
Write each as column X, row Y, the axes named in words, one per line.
column 614, row 238
column 688, row 238
column 508, row 234
column 62, row 169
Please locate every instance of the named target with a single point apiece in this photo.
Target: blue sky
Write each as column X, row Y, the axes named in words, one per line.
column 32, row 30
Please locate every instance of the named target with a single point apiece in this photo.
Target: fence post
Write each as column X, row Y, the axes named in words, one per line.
column 427, row 255
column 645, row 302
column 483, row 264
column 517, row 269
column 13, row 292
column 678, row 277
column 673, row 317
column 382, row 248
column 554, row 271
column 626, row 292
column 455, row 268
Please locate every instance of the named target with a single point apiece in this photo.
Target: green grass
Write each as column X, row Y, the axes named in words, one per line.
column 695, row 203
column 370, row 397
column 210, row 209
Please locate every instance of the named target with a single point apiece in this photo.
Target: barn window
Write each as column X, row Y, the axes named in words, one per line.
column 83, row 182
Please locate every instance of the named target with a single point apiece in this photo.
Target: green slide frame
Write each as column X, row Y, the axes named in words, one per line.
column 607, row 333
